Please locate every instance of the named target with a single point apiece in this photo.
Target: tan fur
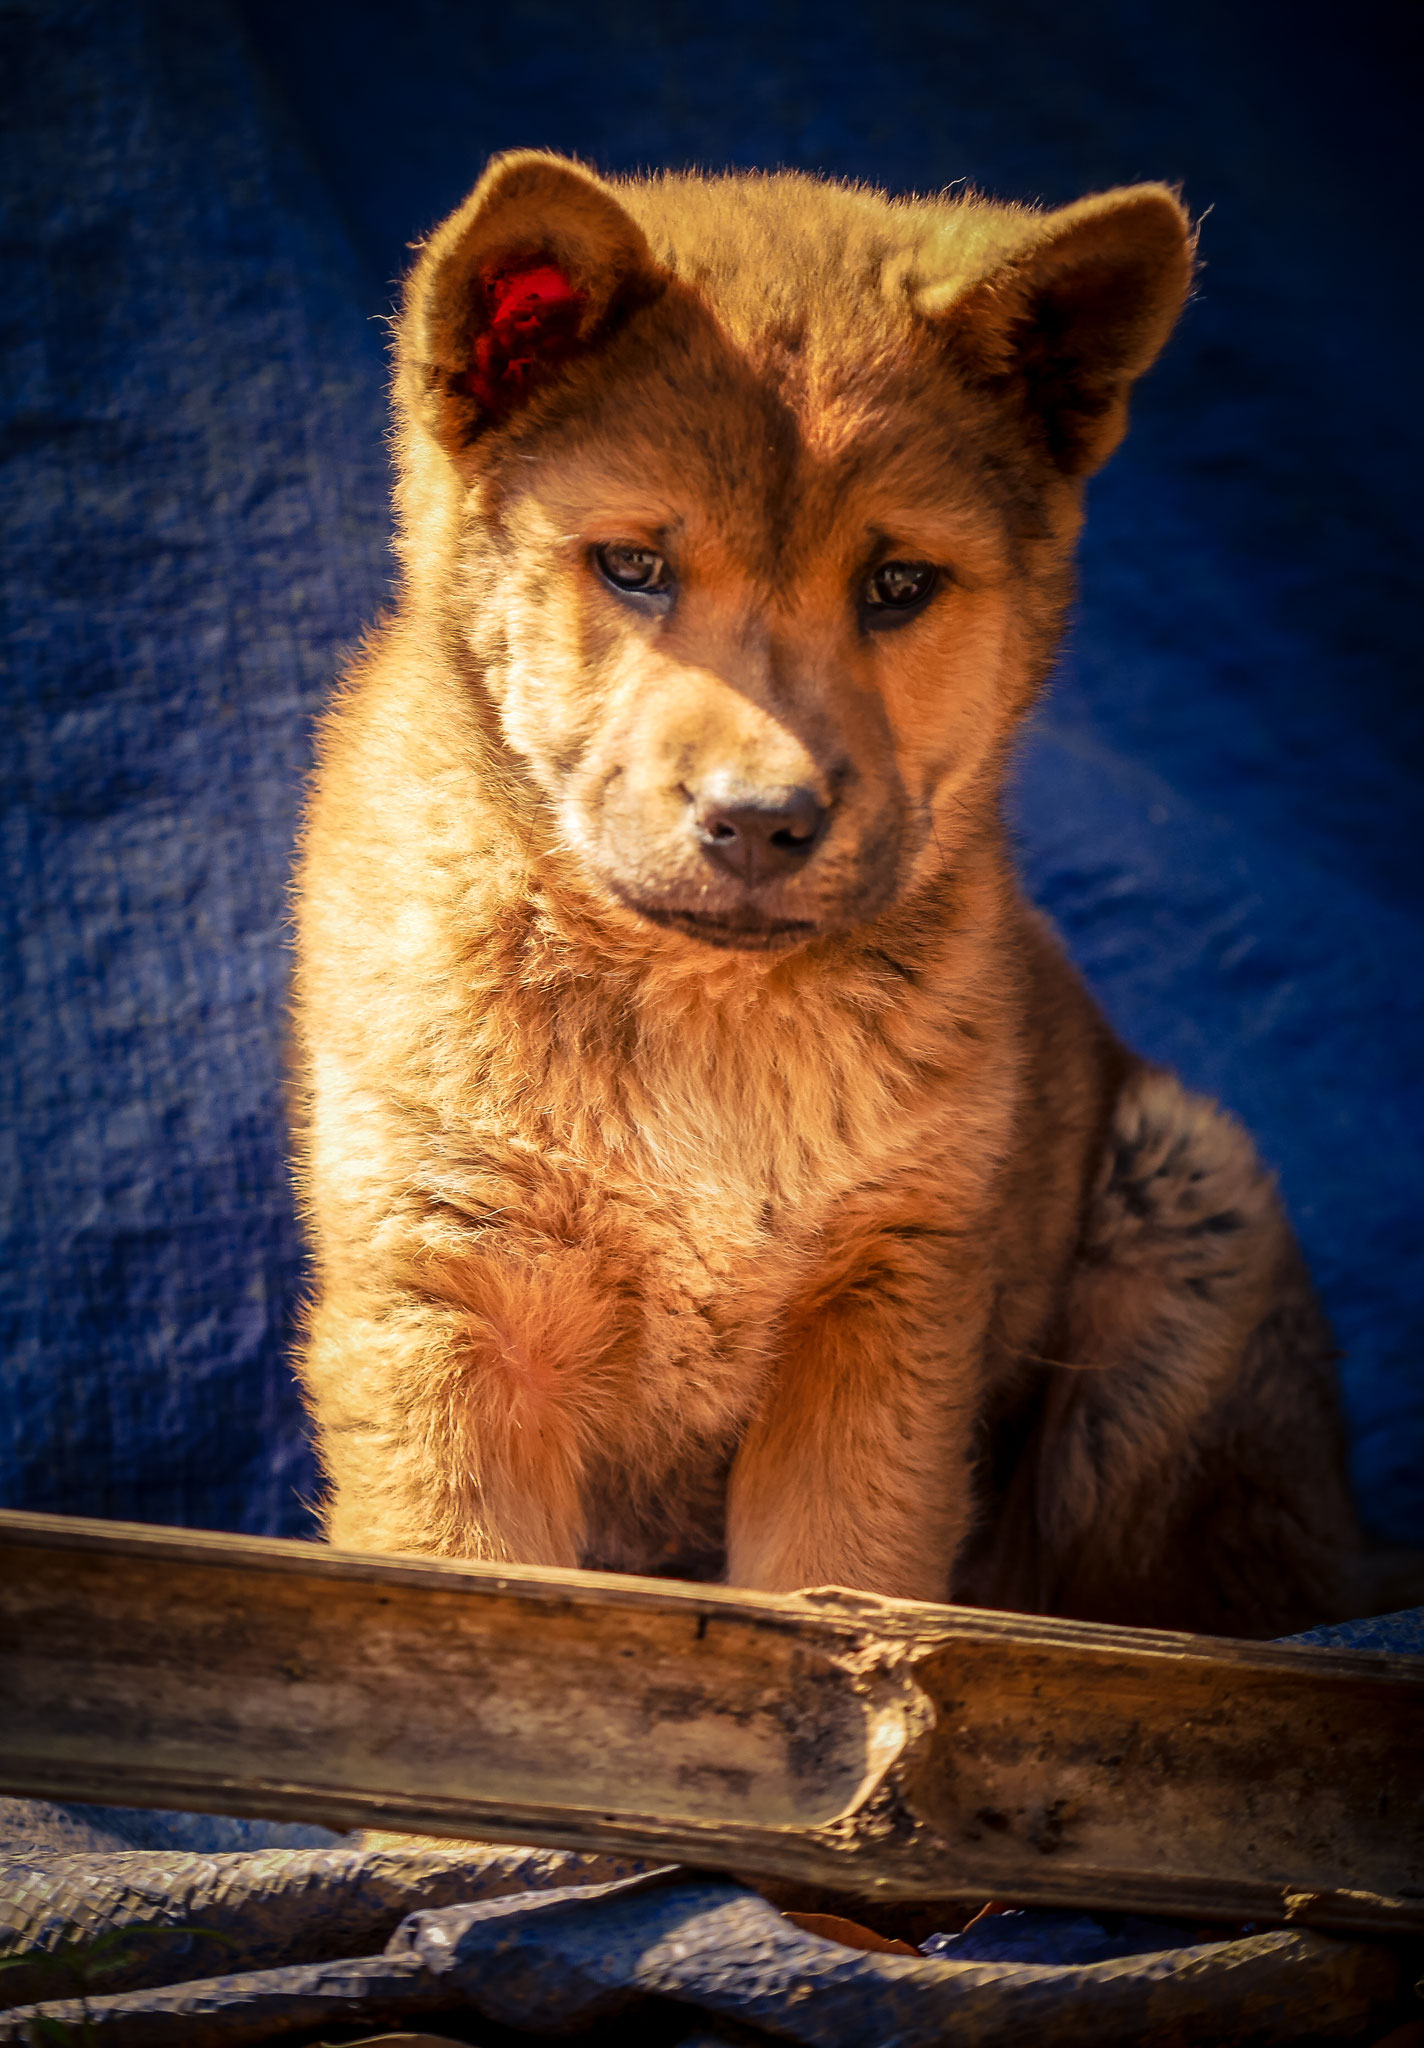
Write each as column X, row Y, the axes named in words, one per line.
column 821, row 1226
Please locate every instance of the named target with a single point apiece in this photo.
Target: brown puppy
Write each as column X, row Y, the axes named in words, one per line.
column 713, row 1162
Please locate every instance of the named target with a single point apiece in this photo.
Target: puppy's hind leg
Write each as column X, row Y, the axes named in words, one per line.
column 1188, row 1468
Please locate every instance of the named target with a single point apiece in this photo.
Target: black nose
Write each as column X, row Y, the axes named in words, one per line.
column 758, row 835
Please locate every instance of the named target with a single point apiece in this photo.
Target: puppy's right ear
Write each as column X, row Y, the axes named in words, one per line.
column 535, row 271
column 1065, row 322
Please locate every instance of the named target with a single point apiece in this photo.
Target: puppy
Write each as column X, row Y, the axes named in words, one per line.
column 712, row 1162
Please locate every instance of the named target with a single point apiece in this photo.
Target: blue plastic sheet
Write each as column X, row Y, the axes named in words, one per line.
column 203, row 206
column 551, row 1961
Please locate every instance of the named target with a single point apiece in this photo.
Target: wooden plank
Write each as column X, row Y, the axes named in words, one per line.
column 879, row 1748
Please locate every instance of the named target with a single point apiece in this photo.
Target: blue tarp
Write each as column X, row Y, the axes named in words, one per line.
column 204, row 205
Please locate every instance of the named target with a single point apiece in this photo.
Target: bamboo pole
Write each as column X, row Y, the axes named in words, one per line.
column 882, row 1749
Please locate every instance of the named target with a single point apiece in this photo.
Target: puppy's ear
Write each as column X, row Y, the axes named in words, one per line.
column 1072, row 315
column 535, row 270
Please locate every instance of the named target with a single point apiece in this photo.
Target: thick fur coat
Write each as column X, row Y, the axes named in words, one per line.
column 713, row 1164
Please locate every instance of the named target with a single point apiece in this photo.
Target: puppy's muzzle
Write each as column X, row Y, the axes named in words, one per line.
column 756, row 835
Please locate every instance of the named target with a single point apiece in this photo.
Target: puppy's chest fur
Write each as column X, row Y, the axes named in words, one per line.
column 756, row 1194
column 736, row 1139
column 709, row 1165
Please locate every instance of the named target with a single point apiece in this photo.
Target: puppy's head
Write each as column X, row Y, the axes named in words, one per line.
column 749, row 503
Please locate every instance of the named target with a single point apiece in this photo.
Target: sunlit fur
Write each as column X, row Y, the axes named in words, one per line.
column 820, row 1232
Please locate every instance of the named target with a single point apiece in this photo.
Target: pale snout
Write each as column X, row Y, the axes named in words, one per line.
column 735, row 823
column 757, row 835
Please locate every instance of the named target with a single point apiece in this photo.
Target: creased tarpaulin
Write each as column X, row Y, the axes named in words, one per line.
column 195, row 1939
column 547, row 1961
column 550, row 1963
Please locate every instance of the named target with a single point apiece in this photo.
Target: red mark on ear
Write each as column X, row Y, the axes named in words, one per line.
column 532, row 327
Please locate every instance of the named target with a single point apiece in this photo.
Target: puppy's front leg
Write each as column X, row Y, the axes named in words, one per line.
column 856, row 1468
column 455, row 1418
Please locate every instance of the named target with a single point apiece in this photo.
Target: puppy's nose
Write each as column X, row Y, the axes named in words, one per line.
column 757, row 835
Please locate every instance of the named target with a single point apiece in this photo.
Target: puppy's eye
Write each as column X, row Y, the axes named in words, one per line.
column 631, row 568
column 896, row 589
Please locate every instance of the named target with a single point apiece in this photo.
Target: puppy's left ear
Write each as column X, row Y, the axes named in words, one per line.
column 535, row 271
column 1069, row 318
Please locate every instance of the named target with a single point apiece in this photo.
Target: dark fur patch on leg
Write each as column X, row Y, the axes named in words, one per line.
column 1182, row 1242
column 1187, row 1467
